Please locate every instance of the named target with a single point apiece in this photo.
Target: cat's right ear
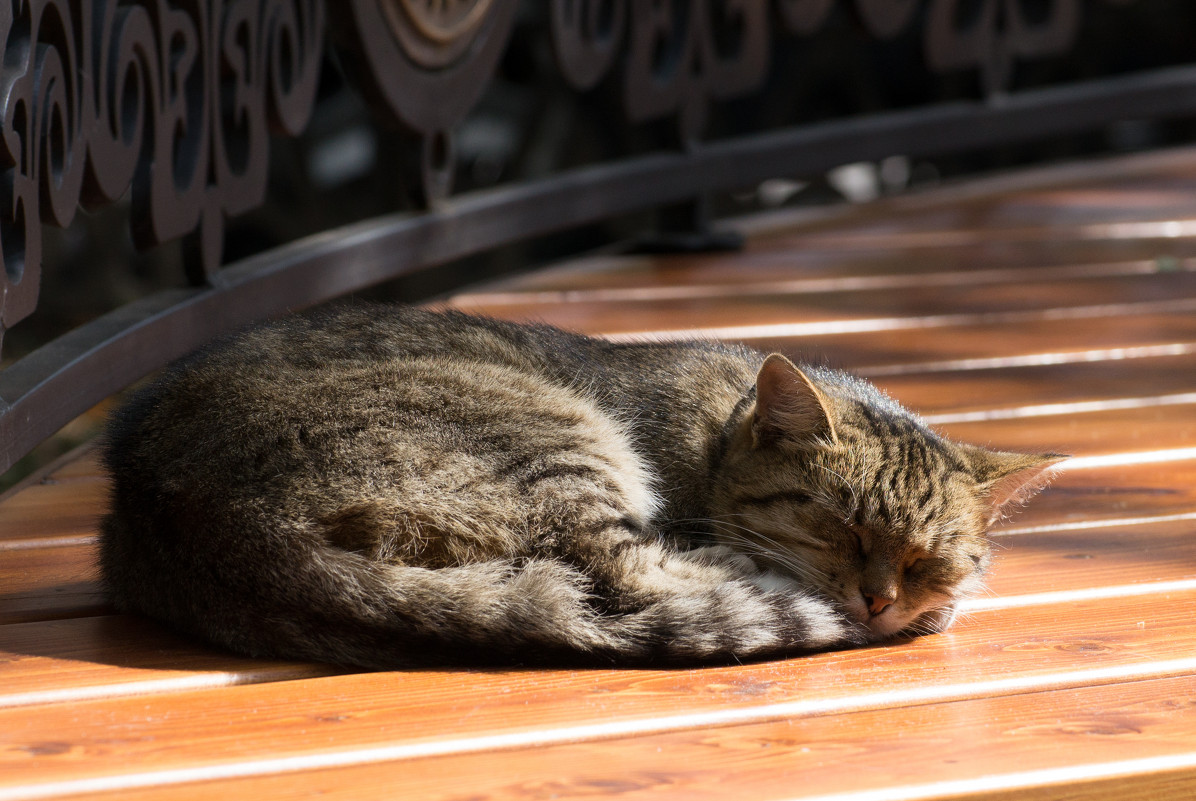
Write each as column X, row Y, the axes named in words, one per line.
column 788, row 404
column 1011, row 479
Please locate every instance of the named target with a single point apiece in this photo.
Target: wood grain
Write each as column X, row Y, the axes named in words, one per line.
column 48, row 583
column 1112, row 493
column 1078, row 559
column 834, row 307
column 58, row 661
column 995, row 747
column 1136, row 429
column 51, row 582
column 1022, row 650
column 996, row 388
column 762, row 272
column 58, row 510
column 944, row 347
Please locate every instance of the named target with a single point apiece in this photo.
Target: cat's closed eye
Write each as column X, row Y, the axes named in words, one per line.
column 855, row 533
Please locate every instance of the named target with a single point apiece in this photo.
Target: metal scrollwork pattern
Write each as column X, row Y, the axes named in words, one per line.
column 175, row 100
column 998, row 35
column 681, row 53
column 424, row 64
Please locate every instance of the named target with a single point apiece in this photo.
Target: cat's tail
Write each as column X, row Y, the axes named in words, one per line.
column 336, row 606
column 543, row 611
column 354, row 611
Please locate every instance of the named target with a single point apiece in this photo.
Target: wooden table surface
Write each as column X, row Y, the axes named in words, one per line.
column 1049, row 310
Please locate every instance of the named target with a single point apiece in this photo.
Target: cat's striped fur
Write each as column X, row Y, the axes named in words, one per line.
column 388, row 486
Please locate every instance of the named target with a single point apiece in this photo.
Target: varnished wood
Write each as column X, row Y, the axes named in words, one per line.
column 55, row 511
column 1141, row 427
column 966, row 391
column 1045, row 312
column 1112, row 493
column 1028, row 649
column 981, row 744
column 46, row 583
column 67, row 660
column 947, row 347
column 1105, row 559
column 757, row 271
column 829, row 308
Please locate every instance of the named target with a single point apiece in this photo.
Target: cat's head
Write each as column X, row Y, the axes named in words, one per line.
column 827, row 479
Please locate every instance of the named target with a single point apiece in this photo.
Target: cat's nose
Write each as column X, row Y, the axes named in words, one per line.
column 877, row 603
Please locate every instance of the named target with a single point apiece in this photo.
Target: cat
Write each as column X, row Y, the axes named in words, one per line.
column 389, row 487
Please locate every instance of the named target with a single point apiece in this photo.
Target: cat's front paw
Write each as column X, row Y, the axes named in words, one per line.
column 821, row 626
column 721, row 555
column 933, row 622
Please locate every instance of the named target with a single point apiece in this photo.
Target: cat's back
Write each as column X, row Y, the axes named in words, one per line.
column 317, row 381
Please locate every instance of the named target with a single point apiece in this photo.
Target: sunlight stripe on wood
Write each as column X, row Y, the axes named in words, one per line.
column 881, row 324
column 1072, row 596
column 1028, row 360
column 745, row 285
column 49, row 542
column 1117, row 459
column 1088, row 524
column 1046, row 782
column 1051, row 409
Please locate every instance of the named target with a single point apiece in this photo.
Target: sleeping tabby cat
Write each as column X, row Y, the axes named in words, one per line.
column 389, row 486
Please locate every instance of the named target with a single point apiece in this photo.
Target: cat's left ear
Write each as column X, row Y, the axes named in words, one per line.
column 789, row 404
column 1011, row 479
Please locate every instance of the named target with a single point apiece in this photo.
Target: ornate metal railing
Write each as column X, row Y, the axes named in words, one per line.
column 174, row 102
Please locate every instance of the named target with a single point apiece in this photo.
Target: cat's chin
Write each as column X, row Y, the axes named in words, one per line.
column 933, row 622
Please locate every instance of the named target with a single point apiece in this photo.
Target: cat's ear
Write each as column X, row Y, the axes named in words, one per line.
column 1011, row 479
column 788, row 403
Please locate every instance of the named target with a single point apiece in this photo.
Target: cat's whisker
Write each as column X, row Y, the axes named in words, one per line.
column 790, row 565
column 776, row 554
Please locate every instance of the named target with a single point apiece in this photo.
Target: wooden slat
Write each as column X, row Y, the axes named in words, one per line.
column 83, row 464
column 1138, row 428
column 1112, row 493
column 49, row 583
column 1029, row 649
column 55, row 511
column 993, row 747
column 808, row 308
column 75, row 501
column 1031, row 562
column 1085, row 558
column 935, row 346
column 784, row 271
column 974, row 390
column 93, row 657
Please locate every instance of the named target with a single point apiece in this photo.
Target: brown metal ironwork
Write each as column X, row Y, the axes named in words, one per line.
column 175, row 100
column 424, row 65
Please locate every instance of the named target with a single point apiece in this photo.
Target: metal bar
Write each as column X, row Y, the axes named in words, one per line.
column 48, row 388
